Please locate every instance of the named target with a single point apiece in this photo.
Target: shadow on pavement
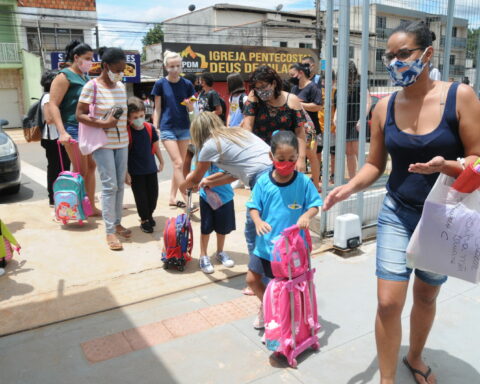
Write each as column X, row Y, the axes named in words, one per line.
column 447, row 369
column 88, row 351
column 14, row 289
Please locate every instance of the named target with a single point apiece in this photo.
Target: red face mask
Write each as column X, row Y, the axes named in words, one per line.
column 284, row 168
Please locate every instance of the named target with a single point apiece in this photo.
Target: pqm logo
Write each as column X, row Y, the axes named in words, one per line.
column 193, row 61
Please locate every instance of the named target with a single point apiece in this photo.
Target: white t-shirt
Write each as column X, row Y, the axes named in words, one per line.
column 242, row 162
column 49, row 130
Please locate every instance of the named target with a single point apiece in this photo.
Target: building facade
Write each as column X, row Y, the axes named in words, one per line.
column 29, row 31
column 242, row 25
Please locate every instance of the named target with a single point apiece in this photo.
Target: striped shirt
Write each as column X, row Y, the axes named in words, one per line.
column 106, row 99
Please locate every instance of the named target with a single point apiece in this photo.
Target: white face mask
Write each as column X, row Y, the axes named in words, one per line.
column 115, row 77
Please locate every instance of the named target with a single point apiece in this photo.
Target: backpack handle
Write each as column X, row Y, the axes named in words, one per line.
column 295, row 228
column 77, row 160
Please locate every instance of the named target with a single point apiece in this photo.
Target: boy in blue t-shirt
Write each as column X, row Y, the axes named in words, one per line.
column 142, row 168
column 281, row 198
column 221, row 220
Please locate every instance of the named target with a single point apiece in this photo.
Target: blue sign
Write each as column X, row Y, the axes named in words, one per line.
column 132, row 68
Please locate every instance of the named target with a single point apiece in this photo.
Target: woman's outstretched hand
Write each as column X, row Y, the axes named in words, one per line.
column 338, row 194
column 433, row 166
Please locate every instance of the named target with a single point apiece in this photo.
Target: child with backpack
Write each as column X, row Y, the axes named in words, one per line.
column 281, row 198
column 217, row 213
column 142, row 168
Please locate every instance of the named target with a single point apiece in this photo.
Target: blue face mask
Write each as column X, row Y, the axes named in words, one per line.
column 405, row 73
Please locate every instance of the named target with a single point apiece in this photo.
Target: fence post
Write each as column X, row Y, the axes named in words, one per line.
column 342, row 89
column 477, row 69
column 448, row 41
column 327, row 107
column 363, row 97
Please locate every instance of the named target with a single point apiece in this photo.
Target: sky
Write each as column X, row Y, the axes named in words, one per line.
column 129, row 36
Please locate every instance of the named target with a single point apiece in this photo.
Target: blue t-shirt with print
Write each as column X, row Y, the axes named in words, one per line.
column 225, row 192
column 281, row 205
column 174, row 116
column 141, row 161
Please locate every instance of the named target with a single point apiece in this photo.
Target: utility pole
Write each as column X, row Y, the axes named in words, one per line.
column 97, row 38
column 318, row 31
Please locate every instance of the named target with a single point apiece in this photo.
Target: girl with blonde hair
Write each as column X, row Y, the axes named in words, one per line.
column 171, row 116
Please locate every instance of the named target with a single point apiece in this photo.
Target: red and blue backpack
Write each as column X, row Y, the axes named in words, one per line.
column 178, row 242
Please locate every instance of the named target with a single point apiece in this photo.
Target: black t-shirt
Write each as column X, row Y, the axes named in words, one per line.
column 141, row 161
column 310, row 94
column 208, row 101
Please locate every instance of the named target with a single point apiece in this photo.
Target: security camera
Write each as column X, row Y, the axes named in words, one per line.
column 191, row 7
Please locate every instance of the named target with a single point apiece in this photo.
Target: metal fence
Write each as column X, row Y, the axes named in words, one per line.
column 357, row 31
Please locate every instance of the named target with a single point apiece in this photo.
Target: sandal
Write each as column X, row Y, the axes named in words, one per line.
column 247, row 291
column 178, row 204
column 115, row 245
column 414, row 371
column 124, row 232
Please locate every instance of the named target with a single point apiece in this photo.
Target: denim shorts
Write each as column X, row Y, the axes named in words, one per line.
column 175, row 135
column 260, row 266
column 72, row 130
column 396, row 224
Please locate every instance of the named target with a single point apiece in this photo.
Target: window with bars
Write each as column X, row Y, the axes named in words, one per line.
column 381, row 22
column 379, row 54
column 53, row 39
column 305, row 45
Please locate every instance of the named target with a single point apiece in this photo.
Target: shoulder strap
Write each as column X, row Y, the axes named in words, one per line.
column 94, row 101
column 149, row 129
column 129, row 131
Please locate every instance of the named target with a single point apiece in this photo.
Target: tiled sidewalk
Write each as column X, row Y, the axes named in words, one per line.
column 224, row 348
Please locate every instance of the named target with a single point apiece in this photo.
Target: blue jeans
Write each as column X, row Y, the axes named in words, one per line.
column 112, row 166
column 250, row 231
column 396, row 224
column 72, row 130
column 175, row 135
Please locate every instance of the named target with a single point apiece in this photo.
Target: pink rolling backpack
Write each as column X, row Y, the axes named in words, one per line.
column 289, row 303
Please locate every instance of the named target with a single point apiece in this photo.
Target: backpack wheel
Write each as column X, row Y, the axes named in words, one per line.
column 294, row 363
column 316, row 346
column 181, row 268
column 80, row 222
column 64, row 222
column 165, row 266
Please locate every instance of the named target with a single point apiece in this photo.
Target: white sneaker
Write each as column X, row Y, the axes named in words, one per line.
column 258, row 323
column 223, row 258
column 205, row 265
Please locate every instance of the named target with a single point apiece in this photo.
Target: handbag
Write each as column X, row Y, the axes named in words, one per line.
column 447, row 237
column 91, row 138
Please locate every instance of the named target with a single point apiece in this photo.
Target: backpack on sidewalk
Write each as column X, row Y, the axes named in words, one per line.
column 71, row 200
column 8, row 244
column 290, row 306
column 178, row 240
column 33, row 122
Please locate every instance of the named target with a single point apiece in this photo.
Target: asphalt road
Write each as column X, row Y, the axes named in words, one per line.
column 34, row 167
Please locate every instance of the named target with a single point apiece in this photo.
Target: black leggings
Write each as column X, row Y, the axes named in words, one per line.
column 145, row 191
column 53, row 163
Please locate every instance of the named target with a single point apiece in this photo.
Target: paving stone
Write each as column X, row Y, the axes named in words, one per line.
column 105, row 348
column 147, row 335
column 186, row 324
column 223, row 313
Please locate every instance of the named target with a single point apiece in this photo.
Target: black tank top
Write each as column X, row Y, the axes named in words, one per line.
column 411, row 189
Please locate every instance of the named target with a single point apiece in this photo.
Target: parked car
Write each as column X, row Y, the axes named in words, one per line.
column 9, row 162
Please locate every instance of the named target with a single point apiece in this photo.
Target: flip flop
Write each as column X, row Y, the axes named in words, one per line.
column 247, row 291
column 124, row 232
column 178, row 204
column 414, row 371
column 115, row 245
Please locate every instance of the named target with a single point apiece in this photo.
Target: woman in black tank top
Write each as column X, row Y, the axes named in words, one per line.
column 424, row 127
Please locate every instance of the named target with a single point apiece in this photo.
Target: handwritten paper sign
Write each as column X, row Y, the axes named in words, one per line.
column 447, row 238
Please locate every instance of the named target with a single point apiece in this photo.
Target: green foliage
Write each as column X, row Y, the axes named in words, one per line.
column 153, row 36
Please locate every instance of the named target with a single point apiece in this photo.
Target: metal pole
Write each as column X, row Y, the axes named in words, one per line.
column 318, row 32
column 363, row 97
column 97, row 38
column 448, row 41
column 327, row 106
column 40, row 41
column 477, row 69
column 342, row 90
